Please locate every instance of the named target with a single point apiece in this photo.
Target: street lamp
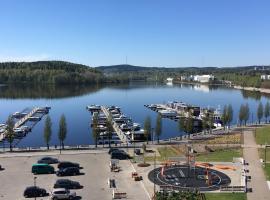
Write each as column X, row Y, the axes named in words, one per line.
column 35, row 180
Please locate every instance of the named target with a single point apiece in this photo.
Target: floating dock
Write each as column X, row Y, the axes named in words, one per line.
column 124, row 129
column 23, row 118
column 123, row 137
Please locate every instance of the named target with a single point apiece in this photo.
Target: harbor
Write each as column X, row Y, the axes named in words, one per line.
column 175, row 110
column 24, row 122
column 125, row 130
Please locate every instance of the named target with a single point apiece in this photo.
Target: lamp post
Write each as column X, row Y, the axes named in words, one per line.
column 35, row 184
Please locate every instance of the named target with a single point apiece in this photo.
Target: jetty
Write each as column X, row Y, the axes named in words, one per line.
column 119, row 132
column 24, row 118
column 125, row 130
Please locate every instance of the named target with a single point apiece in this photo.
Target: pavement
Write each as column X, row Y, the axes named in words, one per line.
column 258, row 182
column 17, row 175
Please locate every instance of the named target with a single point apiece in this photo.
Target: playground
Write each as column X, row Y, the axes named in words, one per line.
column 201, row 177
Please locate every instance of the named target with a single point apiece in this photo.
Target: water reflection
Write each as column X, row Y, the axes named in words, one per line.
column 24, row 91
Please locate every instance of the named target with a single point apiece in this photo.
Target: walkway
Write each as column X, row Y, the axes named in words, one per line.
column 258, row 182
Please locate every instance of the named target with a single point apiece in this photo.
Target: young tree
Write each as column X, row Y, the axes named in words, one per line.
column 230, row 115
column 260, row 112
column 205, row 120
column 189, row 125
column 182, row 126
column 47, row 131
column 241, row 114
column 246, row 113
column 10, row 135
column 225, row 116
column 266, row 111
column 158, row 129
column 147, row 128
column 62, row 133
column 109, row 129
column 95, row 131
column 210, row 122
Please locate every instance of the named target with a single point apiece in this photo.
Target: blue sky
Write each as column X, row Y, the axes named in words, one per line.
column 168, row 33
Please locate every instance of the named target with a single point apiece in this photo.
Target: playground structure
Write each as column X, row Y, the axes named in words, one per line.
column 184, row 173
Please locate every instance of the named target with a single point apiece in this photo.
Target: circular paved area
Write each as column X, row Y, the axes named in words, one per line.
column 183, row 178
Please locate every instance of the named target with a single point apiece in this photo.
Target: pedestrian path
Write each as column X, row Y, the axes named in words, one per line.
column 258, row 182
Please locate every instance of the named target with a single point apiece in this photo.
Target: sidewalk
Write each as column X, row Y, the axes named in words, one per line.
column 258, row 182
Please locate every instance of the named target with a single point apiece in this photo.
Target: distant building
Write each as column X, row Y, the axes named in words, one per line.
column 169, row 80
column 265, row 77
column 203, row 78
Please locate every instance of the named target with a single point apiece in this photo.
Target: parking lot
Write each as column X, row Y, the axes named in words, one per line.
column 17, row 175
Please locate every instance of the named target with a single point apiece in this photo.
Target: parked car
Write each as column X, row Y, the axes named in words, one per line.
column 34, row 191
column 119, row 155
column 62, row 193
column 68, row 184
column 115, row 149
column 66, row 164
column 42, row 169
column 137, row 151
column 69, row 171
column 48, row 160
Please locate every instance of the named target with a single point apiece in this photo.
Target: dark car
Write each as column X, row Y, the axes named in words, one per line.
column 119, row 155
column 67, row 184
column 114, row 150
column 48, row 160
column 69, row 171
column 34, row 191
column 68, row 164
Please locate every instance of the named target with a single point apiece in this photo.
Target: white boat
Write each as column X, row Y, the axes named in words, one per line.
column 93, row 107
column 168, row 113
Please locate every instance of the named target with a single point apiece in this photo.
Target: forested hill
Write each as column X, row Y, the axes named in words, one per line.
column 244, row 76
column 55, row 72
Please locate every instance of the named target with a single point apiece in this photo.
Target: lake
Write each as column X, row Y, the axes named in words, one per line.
column 72, row 101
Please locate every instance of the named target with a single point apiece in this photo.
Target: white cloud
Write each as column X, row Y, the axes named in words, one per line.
column 28, row 58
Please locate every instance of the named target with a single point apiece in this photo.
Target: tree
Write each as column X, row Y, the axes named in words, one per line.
column 230, row 115
column 147, row 128
column 241, row 114
column 158, row 129
column 266, row 111
column 260, row 112
column 95, row 131
column 47, row 131
column 109, row 128
column 246, row 113
column 189, row 124
column 181, row 126
column 225, row 116
column 205, row 122
column 10, row 135
column 210, row 122
column 62, row 133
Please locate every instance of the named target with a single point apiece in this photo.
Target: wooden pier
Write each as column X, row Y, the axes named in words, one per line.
column 21, row 121
column 116, row 128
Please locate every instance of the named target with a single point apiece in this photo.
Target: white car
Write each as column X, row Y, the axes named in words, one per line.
column 62, row 193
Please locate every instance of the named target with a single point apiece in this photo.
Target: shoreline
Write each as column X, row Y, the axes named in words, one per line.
column 253, row 89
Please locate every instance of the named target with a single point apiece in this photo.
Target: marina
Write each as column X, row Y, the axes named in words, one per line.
column 125, row 130
column 175, row 110
column 27, row 116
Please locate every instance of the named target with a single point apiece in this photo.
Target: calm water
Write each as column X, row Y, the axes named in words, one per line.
column 72, row 101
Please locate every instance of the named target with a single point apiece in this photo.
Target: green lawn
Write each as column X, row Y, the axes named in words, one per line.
column 220, row 155
column 165, row 153
column 226, row 196
column 263, row 135
column 267, row 171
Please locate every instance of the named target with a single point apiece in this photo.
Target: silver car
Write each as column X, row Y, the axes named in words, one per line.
column 62, row 193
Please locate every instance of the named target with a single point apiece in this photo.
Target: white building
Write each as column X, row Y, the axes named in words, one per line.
column 203, row 78
column 169, row 80
column 265, row 77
